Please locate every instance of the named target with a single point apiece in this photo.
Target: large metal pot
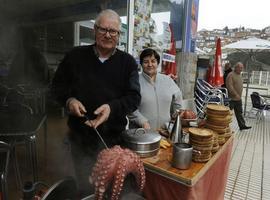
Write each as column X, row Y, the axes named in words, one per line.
column 144, row 142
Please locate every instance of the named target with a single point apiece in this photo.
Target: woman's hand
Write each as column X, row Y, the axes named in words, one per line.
column 146, row 125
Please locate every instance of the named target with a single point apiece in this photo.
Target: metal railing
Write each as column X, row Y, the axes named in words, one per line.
column 261, row 78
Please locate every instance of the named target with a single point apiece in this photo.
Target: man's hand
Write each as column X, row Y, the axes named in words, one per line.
column 238, row 97
column 103, row 113
column 76, row 108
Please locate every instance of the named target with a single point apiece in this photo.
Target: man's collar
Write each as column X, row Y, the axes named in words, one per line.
column 97, row 54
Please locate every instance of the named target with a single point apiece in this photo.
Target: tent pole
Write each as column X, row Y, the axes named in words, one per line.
column 248, row 73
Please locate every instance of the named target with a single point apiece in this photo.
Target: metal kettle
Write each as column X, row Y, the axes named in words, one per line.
column 176, row 132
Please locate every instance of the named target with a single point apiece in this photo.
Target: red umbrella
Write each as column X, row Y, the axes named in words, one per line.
column 216, row 75
column 169, row 65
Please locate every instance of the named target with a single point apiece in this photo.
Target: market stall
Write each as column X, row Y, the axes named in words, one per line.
column 200, row 181
column 205, row 177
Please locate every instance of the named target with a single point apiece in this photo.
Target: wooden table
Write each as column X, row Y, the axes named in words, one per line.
column 202, row 181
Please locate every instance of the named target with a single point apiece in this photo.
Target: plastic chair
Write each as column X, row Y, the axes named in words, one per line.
column 205, row 95
column 209, row 94
column 259, row 105
column 63, row 189
column 226, row 99
column 200, row 109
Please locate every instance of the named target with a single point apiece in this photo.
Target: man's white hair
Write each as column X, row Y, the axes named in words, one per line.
column 108, row 13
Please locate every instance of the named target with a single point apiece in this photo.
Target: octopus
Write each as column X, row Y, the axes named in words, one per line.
column 111, row 168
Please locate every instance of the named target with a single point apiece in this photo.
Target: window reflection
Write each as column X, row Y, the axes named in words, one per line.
column 52, row 23
column 158, row 25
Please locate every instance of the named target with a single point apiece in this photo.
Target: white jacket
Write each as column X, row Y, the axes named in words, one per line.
column 159, row 100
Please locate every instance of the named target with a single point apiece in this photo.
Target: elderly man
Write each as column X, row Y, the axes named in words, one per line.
column 234, row 84
column 99, row 86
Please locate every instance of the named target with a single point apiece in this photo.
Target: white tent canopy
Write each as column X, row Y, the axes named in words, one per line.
column 250, row 44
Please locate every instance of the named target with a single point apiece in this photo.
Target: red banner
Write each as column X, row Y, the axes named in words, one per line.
column 169, row 64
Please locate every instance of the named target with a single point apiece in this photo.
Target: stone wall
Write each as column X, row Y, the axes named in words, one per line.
column 186, row 70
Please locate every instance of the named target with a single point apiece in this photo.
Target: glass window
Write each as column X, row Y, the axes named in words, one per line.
column 158, row 25
column 52, row 24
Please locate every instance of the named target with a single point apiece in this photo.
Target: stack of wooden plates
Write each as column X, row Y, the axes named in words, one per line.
column 215, row 143
column 202, row 141
column 218, row 119
column 228, row 134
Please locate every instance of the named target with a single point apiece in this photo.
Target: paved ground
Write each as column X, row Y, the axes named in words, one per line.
column 249, row 173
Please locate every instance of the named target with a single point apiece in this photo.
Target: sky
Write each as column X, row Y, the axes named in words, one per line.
column 233, row 13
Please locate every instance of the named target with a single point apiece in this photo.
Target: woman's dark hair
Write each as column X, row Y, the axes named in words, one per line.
column 149, row 52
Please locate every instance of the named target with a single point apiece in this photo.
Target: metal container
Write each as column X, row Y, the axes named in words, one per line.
column 144, row 142
column 182, row 155
column 176, row 133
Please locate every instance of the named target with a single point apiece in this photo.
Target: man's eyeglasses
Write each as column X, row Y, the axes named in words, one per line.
column 112, row 32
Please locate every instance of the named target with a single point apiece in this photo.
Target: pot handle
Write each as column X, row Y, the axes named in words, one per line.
column 139, row 131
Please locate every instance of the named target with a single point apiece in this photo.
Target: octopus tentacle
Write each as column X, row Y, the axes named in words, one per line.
column 112, row 166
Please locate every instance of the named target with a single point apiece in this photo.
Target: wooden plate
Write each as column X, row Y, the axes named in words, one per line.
column 201, row 132
column 217, row 113
column 219, row 108
column 217, row 128
column 217, row 122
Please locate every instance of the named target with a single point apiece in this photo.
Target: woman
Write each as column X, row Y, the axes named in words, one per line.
column 160, row 95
